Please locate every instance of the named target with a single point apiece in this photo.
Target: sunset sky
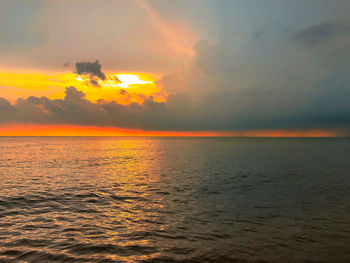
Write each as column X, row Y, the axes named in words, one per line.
column 175, row 68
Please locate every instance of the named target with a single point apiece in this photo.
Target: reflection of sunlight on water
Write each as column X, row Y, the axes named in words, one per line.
column 134, row 171
column 182, row 199
column 107, row 186
column 133, row 164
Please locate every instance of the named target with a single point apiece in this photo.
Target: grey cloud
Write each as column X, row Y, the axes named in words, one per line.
column 258, row 33
column 75, row 109
column 93, row 69
column 293, row 91
column 6, row 110
column 317, row 34
column 217, row 111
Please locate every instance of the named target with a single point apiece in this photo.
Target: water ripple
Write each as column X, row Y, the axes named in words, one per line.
column 174, row 200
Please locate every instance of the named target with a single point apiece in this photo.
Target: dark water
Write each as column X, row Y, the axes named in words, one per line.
column 174, row 200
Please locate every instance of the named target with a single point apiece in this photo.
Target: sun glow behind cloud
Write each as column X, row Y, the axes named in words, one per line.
column 123, row 88
column 130, row 79
column 119, row 80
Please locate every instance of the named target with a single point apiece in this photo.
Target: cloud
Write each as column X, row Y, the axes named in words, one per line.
column 326, row 44
column 91, row 68
column 289, row 88
column 320, row 33
column 5, row 110
column 215, row 112
column 93, row 71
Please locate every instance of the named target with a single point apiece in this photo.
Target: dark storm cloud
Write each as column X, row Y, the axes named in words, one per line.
column 292, row 92
column 90, row 68
column 317, row 34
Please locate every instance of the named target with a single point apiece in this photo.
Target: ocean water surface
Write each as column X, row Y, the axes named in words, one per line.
column 97, row 199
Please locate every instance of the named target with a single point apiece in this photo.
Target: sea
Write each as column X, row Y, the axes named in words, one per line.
column 150, row 199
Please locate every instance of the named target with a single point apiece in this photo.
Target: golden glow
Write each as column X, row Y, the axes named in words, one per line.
column 119, row 80
column 129, row 79
column 123, row 88
column 15, row 129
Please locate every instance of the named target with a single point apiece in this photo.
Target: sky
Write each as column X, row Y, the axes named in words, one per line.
column 175, row 67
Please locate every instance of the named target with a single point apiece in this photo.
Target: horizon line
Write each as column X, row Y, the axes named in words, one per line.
column 180, row 136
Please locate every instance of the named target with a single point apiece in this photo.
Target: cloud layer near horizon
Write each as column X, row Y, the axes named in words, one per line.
column 220, row 111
